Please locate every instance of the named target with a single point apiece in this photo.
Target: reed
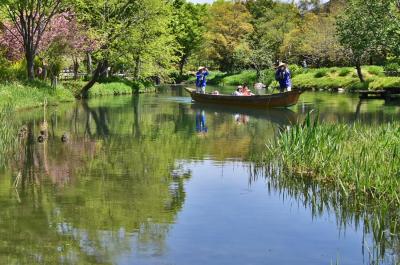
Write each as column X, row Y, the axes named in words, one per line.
column 355, row 159
column 8, row 135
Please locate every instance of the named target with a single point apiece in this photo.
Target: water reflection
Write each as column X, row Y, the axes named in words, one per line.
column 201, row 126
column 118, row 185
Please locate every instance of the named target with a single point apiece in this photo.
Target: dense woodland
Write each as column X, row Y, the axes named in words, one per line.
column 163, row 40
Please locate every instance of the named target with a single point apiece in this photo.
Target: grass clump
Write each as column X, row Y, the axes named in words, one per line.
column 345, row 71
column 358, row 160
column 321, row 73
column 375, row 70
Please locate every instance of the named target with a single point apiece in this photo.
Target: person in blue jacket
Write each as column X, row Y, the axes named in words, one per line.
column 201, row 80
column 283, row 76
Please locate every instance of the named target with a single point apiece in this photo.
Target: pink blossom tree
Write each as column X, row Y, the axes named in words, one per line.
column 61, row 28
column 29, row 20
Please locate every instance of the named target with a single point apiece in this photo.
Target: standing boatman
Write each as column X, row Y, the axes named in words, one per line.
column 201, row 80
column 283, row 76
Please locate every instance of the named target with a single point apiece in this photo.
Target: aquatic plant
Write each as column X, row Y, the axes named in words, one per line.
column 356, row 159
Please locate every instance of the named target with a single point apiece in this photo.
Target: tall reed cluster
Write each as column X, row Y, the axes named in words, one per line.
column 8, row 135
column 358, row 159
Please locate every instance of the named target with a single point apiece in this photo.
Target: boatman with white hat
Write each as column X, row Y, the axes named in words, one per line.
column 201, row 80
column 283, row 76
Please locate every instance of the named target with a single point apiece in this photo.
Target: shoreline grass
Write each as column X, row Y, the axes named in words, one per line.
column 356, row 160
column 26, row 95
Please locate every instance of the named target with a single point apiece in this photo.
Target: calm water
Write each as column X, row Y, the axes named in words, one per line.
column 159, row 180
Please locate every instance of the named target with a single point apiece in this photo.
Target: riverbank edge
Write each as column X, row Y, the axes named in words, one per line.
column 317, row 79
column 23, row 96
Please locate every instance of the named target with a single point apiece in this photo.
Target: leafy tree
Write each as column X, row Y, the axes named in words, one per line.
column 132, row 32
column 272, row 24
column 188, row 27
column 30, row 19
column 227, row 29
column 315, row 41
column 152, row 48
column 363, row 28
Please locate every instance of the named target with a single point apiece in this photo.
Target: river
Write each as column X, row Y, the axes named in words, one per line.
column 156, row 179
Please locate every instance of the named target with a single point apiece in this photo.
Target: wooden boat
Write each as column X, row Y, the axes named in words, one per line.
column 279, row 100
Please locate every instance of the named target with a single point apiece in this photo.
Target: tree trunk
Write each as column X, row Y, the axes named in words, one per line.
column 136, row 74
column 258, row 74
column 359, row 72
column 101, row 67
column 182, row 64
column 89, row 64
column 29, row 56
column 76, row 69
column 54, row 81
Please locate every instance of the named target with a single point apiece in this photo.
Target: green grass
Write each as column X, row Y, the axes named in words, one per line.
column 24, row 95
column 357, row 160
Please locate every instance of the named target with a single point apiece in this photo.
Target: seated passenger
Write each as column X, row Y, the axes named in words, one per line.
column 238, row 91
column 246, row 91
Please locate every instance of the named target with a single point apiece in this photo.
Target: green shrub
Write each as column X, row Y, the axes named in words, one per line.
column 267, row 76
column 248, row 76
column 321, row 73
column 296, row 69
column 345, row 71
column 392, row 67
column 375, row 70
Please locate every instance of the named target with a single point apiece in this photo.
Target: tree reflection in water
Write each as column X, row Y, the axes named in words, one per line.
column 87, row 200
column 381, row 239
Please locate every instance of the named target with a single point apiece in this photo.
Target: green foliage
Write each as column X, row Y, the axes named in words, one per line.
column 363, row 34
column 188, row 28
column 226, row 33
column 296, row 69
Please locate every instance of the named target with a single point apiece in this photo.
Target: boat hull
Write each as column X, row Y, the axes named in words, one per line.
column 279, row 100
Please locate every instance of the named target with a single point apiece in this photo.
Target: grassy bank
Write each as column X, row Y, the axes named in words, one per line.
column 358, row 160
column 345, row 78
column 318, row 79
column 25, row 95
